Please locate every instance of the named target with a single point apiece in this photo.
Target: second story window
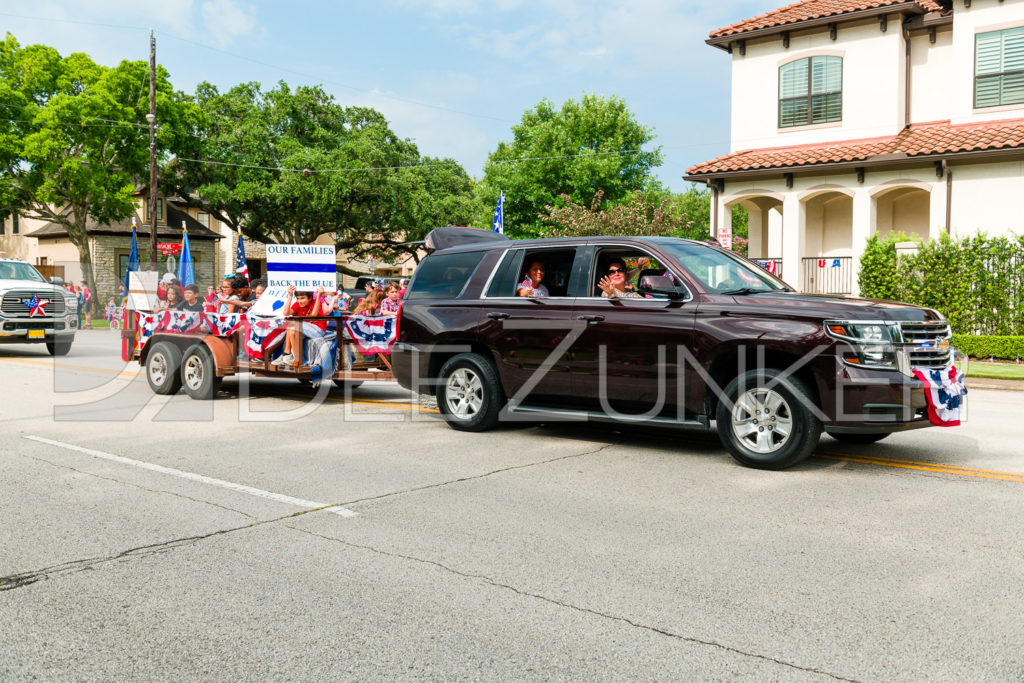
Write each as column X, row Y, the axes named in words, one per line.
column 999, row 67
column 203, row 219
column 159, row 209
column 14, row 224
column 811, row 91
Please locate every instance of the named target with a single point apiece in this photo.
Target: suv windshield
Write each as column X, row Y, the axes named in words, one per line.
column 13, row 270
column 721, row 272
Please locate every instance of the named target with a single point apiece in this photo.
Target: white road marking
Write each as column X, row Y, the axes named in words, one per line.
column 241, row 488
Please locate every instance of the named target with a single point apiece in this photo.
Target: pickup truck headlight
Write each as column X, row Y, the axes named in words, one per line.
column 869, row 344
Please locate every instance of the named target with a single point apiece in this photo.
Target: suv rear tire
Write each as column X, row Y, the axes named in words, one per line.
column 469, row 395
column 767, row 427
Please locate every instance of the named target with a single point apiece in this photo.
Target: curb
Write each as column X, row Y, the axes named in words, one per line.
column 995, row 384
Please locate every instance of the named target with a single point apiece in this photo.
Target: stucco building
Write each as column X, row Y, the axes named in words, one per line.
column 856, row 117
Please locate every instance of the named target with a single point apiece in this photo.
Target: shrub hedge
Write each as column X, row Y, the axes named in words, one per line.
column 978, row 346
column 976, row 282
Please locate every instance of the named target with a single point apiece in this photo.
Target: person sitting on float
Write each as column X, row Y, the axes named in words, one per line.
column 306, row 304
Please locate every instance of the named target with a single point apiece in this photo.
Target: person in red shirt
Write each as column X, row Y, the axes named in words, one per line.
column 305, row 305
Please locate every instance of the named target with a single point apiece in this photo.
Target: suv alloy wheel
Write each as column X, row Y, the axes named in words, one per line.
column 469, row 395
column 768, row 425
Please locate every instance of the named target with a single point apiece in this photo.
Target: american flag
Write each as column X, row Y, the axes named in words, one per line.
column 241, row 267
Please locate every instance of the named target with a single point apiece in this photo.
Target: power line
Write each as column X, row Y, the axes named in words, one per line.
column 353, row 88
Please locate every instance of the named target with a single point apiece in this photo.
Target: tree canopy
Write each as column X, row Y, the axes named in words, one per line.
column 594, row 145
column 289, row 165
column 74, row 138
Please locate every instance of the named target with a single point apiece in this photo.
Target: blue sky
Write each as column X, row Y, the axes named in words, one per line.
column 453, row 75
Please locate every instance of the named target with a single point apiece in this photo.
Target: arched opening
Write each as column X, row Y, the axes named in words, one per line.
column 828, row 243
column 903, row 209
column 764, row 229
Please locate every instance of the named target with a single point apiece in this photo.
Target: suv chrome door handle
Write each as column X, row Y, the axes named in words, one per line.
column 591, row 318
column 497, row 316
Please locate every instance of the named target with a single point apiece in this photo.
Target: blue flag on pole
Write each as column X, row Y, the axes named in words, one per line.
column 499, row 215
column 133, row 259
column 241, row 267
column 185, row 275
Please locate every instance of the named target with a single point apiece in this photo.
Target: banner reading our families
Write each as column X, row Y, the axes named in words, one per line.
column 307, row 266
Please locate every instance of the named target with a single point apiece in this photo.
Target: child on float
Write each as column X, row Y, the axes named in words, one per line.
column 306, row 304
column 391, row 302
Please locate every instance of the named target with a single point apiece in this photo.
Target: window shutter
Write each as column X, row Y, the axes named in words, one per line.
column 999, row 67
column 793, row 79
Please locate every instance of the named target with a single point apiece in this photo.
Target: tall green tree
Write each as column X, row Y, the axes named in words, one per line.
column 74, row 139
column 639, row 215
column 594, row 145
column 289, row 165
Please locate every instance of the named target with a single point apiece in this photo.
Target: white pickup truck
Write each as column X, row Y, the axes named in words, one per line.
column 35, row 311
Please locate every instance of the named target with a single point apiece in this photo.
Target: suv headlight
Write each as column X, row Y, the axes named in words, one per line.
column 869, row 344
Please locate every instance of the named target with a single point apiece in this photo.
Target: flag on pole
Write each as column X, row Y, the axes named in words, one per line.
column 185, row 274
column 499, row 215
column 133, row 259
column 241, row 267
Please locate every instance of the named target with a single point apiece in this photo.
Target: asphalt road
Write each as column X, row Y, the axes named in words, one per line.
column 359, row 538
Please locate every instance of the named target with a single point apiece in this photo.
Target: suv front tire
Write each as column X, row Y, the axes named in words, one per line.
column 470, row 396
column 766, row 423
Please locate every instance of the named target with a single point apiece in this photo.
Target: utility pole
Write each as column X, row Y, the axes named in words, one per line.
column 151, row 117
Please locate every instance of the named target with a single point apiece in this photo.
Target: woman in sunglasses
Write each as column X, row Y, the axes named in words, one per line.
column 615, row 285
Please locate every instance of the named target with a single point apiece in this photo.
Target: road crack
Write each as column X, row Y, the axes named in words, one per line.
column 23, row 579
column 484, row 475
column 578, row 608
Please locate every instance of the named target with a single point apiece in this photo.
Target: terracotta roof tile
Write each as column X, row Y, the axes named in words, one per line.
column 918, row 140
column 815, row 9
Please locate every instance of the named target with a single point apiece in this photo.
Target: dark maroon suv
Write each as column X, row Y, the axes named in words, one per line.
column 692, row 334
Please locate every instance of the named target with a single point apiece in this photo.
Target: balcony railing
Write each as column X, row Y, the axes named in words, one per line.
column 828, row 275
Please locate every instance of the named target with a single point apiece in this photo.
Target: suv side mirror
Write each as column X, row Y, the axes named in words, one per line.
column 660, row 284
column 57, row 280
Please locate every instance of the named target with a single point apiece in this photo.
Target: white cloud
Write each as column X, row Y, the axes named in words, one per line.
column 228, row 19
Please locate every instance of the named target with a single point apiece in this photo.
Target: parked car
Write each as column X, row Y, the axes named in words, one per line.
column 710, row 338
column 35, row 311
column 359, row 291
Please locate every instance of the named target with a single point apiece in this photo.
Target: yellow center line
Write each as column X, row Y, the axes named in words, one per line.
column 926, row 467
column 916, row 462
column 84, row 368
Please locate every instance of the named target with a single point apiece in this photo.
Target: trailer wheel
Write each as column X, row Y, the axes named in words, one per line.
column 162, row 368
column 199, row 373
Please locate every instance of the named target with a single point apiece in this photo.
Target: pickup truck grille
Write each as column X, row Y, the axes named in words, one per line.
column 927, row 344
column 12, row 305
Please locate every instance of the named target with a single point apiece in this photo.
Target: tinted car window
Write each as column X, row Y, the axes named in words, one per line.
column 557, row 270
column 443, row 276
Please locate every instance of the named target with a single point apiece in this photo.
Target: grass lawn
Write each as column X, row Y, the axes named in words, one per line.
column 984, row 370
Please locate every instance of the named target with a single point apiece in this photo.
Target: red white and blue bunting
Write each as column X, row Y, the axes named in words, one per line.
column 946, row 394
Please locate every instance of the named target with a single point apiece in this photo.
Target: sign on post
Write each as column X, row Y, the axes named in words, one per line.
column 307, row 266
column 725, row 235
column 142, row 286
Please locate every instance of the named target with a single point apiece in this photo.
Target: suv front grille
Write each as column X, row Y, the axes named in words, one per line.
column 927, row 344
column 13, row 303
